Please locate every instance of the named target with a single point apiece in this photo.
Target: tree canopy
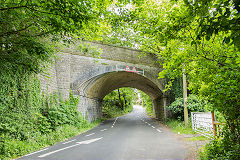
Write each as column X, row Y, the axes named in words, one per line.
column 201, row 36
column 24, row 24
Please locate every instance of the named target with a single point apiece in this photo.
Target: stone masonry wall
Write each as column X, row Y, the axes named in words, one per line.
column 70, row 71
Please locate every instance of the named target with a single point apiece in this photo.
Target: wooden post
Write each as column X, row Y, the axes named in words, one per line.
column 214, row 125
column 185, row 97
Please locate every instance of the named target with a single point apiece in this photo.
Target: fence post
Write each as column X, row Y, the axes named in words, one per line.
column 185, row 96
column 214, row 126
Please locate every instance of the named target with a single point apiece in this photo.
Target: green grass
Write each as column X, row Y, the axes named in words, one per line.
column 14, row 148
column 179, row 127
column 197, row 138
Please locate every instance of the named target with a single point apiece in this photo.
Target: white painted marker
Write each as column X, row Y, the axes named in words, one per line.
column 114, row 122
column 69, row 141
column 78, row 143
column 89, row 134
column 103, row 130
column 36, row 152
column 159, row 130
column 153, row 127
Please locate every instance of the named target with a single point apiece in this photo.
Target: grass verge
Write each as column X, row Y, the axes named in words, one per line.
column 14, row 148
column 198, row 138
column 179, row 127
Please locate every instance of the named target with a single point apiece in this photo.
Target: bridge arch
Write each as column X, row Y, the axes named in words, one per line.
column 92, row 78
column 93, row 90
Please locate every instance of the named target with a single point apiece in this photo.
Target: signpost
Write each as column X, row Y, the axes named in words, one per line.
column 130, row 69
column 202, row 123
column 205, row 124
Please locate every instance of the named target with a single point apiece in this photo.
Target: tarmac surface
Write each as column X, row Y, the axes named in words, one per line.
column 134, row 136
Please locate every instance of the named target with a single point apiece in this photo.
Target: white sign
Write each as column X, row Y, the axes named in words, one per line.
column 202, row 123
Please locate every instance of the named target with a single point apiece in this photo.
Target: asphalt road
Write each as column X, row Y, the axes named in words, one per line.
column 131, row 137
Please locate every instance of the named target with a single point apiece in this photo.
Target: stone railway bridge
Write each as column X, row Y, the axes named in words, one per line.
column 92, row 79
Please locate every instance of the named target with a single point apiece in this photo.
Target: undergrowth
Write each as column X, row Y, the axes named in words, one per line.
column 147, row 103
column 31, row 120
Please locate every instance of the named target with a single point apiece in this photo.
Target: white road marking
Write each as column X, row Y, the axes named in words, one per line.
column 36, row 152
column 159, row 130
column 153, row 127
column 69, row 141
column 149, row 124
column 114, row 122
column 89, row 134
column 103, row 130
column 146, row 122
column 78, row 143
column 89, row 141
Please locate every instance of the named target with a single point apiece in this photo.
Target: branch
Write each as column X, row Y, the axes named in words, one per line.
column 17, row 7
column 15, row 32
column 219, row 63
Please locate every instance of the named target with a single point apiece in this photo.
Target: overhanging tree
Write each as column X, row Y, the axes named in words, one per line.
column 23, row 24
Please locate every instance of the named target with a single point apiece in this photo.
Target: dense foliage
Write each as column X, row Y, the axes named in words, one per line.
column 25, row 23
column 194, row 104
column 29, row 119
column 147, row 103
column 29, row 31
column 118, row 102
column 219, row 149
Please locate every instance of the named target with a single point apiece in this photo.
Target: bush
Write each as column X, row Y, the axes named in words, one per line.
column 221, row 148
column 194, row 104
column 64, row 113
column 29, row 119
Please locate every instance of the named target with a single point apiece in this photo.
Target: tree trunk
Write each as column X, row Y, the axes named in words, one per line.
column 119, row 97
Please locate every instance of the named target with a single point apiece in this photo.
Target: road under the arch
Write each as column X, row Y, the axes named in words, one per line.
column 131, row 137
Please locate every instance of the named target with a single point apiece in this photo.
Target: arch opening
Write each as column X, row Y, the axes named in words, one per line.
column 95, row 89
column 120, row 101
